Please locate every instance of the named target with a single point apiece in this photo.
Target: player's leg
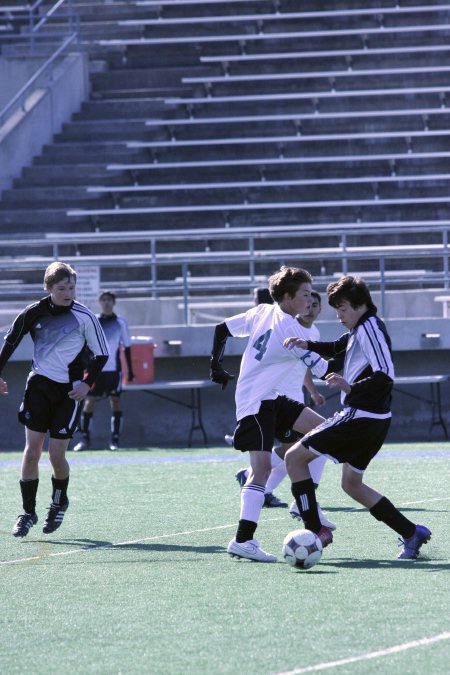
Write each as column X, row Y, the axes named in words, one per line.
column 116, row 421
column 316, row 468
column 29, row 481
column 254, row 434
column 298, row 458
column 277, row 475
column 64, row 421
column 412, row 535
column 85, row 423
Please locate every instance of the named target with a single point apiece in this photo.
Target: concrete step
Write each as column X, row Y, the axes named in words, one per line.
column 68, row 175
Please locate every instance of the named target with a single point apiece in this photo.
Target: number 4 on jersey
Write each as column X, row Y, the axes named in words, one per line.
column 260, row 344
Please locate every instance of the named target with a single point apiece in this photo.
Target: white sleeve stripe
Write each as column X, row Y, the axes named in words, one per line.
column 379, row 346
column 101, row 340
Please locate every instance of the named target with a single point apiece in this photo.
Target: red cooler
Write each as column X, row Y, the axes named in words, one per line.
column 142, row 349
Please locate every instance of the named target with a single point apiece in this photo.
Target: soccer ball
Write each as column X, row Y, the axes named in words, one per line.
column 302, row 549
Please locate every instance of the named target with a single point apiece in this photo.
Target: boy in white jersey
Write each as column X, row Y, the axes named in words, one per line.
column 63, row 331
column 261, row 412
column 292, row 387
column 109, row 381
column 354, row 435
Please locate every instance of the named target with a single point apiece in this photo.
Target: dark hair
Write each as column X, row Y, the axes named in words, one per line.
column 287, row 280
column 262, row 296
column 352, row 289
column 316, row 295
column 110, row 293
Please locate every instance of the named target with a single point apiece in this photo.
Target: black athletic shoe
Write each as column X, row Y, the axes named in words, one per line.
column 55, row 517
column 24, row 523
column 271, row 501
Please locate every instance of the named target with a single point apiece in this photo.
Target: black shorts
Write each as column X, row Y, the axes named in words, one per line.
column 344, row 438
column 273, row 420
column 46, row 406
column 107, row 384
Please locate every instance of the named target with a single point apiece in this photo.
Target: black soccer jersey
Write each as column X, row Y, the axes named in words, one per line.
column 368, row 365
column 63, row 338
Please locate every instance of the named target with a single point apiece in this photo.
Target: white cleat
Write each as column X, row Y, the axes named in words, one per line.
column 228, row 440
column 80, row 446
column 295, row 513
column 251, row 550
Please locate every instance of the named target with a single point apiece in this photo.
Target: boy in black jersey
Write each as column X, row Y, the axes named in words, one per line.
column 62, row 331
column 354, row 435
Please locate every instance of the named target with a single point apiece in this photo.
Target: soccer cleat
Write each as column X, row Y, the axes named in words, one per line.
column 325, row 535
column 251, row 550
column 81, row 445
column 271, row 501
column 24, row 523
column 228, row 439
column 295, row 513
column 411, row 546
column 241, row 477
column 114, row 445
column 55, row 517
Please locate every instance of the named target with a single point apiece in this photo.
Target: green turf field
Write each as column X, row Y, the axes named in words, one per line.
column 137, row 580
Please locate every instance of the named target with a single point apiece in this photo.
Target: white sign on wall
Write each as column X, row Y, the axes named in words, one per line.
column 88, row 285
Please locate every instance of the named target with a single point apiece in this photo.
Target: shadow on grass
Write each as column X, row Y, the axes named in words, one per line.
column 93, row 544
column 425, row 564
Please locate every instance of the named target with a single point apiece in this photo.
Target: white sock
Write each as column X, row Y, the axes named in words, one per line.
column 252, row 500
column 276, row 476
column 316, row 468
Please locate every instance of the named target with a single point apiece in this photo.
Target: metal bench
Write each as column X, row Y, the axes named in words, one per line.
column 275, row 161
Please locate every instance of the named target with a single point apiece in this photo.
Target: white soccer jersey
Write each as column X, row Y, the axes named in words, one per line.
column 292, row 384
column 266, row 363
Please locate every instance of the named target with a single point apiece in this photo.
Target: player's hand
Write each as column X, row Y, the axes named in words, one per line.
column 130, row 377
column 318, row 398
column 220, row 376
column 337, row 381
column 291, row 342
column 3, row 386
column 79, row 392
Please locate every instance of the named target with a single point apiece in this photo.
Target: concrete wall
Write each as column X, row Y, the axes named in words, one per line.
column 152, row 421
column 14, row 73
column 24, row 134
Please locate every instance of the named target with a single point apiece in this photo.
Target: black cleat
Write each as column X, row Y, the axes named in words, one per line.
column 55, row 517
column 271, row 501
column 24, row 522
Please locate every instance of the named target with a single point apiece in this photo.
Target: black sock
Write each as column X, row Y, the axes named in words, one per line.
column 246, row 530
column 29, row 489
column 305, row 496
column 85, row 424
column 116, row 424
column 59, row 493
column 385, row 511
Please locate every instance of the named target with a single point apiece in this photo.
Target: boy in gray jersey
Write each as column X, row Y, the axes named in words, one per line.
column 63, row 332
column 109, row 381
column 354, row 435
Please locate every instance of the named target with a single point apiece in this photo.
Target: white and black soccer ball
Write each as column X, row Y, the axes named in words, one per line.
column 302, row 549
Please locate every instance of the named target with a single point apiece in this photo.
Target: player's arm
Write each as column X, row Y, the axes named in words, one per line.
column 98, row 345
column 315, row 394
column 12, row 340
column 126, row 341
column 325, row 349
column 378, row 383
column 217, row 373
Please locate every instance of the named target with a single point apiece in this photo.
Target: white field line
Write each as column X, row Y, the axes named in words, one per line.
column 123, row 543
column 327, row 665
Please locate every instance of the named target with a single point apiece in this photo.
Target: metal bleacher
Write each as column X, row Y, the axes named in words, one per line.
column 210, row 116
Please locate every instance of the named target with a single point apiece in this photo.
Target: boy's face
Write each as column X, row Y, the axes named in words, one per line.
column 312, row 314
column 348, row 315
column 63, row 292
column 300, row 303
column 106, row 304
